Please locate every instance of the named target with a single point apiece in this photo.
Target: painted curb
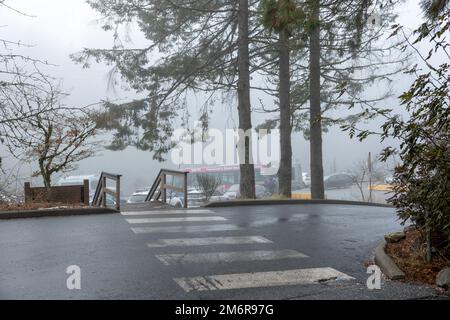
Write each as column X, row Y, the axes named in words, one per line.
column 386, row 264
column 6, row 215
column 256, row 202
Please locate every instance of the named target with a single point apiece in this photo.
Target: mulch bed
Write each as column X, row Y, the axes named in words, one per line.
column 37, row 205
column 409, row 254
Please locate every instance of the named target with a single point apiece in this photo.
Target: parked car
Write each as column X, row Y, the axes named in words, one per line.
column 175, row 199
column 234, row 192
column 217, row 196
column 389, row 180
column 195, row 198
column 338, row 180
column 6, row 197
column 260, row 191
column 138, row 196
column 296, row 185
column 223, row 188
column 306, row 179
column 79, row 180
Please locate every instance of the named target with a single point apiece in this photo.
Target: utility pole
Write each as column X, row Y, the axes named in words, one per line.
column 369, row 166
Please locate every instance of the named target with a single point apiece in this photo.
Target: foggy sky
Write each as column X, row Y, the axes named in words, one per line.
column 61, row 28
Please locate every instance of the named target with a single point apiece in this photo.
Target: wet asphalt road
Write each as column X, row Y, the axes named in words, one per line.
column 116, row 263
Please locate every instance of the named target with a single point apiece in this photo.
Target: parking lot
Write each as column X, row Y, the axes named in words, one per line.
column 251, row 252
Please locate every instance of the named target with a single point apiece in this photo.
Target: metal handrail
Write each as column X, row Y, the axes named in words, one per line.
column 161, row 180
column 154, row 186
column 101, row 190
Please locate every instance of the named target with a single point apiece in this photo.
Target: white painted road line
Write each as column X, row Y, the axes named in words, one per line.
column 260, row 279
column 164, row 212
column 182, row 219
column 232, row 256
column 205, row 228
column 207, row 241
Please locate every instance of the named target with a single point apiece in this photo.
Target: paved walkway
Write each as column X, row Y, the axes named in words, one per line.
column 145, row 206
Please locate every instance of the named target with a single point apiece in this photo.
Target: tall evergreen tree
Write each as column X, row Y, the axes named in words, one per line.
column 194, row 46
column 247, row 181
column 433, row 8
column 283, row 16
column 315, row 112
column 336, row 53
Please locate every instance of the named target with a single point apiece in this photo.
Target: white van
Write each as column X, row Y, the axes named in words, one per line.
column 79, row 180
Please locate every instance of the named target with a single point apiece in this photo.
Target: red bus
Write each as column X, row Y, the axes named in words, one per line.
column 229, row 174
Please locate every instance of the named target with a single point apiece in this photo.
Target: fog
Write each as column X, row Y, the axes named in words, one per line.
column 60, row 28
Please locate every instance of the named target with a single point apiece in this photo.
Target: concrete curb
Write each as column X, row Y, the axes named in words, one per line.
column 232, row 203
column 5, row 215
column 386, row 264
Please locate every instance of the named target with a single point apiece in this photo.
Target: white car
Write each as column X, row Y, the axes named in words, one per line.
column 389, row 180
column 217, row 196
column 138, row 196
column 195, row 198
column 175, row 199
column 79, row 180
column 306, row 179
column 233, row 192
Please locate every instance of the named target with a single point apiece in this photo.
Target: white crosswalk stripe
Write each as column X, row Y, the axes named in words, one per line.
column 188, row 229
column 277, row 278
column 166, row 212
column 207, row 241
column 232, row 256
column 260, row 279
column 183, row 219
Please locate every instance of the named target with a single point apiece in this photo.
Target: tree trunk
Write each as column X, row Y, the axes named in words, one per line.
column 285, row 170
column 47, row 181
column 317, row 186
column 247, row 181
column 47, row 184
column 46, row 178
column 428, row 256
column 429, row 247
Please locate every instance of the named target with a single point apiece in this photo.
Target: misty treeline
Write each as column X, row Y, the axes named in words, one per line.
column 314, row 57
column 35, row 124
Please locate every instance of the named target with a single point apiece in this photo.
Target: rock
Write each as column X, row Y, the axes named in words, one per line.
column 409, row 228
column 394, row 237
column 443, row 278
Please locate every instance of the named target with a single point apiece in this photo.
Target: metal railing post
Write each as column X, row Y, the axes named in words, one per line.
column 104, row 192
column 118, row 192
column 161, row 183
column 185, row 204
column 164, row 190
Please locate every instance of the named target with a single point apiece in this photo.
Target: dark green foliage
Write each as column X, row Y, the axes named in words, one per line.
column 422, row 191
column 354, row 58
column 139, row 123
column 281, row 15
column 192, row 47
column 433, row 8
